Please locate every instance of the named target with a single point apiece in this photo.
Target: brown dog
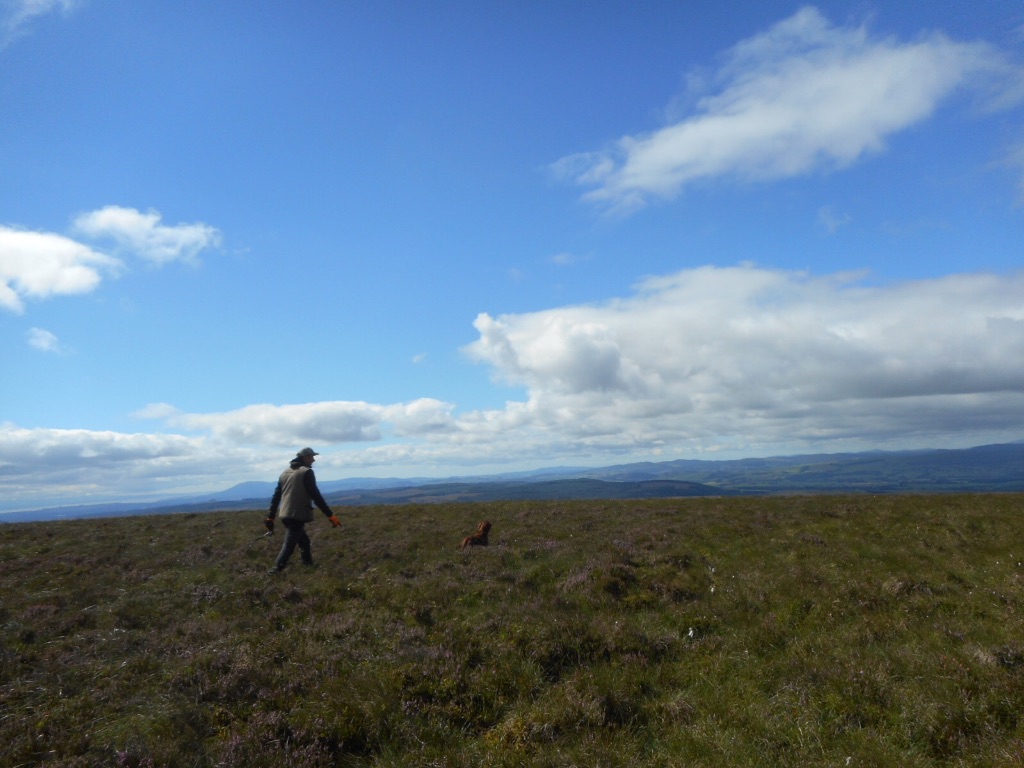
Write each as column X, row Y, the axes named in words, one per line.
column 478, row 539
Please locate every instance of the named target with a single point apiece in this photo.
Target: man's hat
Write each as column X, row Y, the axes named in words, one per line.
column 307, row 452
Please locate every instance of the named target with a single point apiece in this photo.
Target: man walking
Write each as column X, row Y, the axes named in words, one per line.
column 294, row 497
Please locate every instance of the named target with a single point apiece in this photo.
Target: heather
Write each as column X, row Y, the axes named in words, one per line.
column 779, row 631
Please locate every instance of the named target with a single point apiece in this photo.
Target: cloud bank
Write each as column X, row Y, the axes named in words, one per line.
column 804, row 96
column 325, row 423
column 752, row 358
column 719, row 362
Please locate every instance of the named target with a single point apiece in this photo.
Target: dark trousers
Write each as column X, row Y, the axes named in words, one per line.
column 296, row 536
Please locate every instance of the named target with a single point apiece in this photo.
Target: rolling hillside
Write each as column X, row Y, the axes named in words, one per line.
column 983, row 469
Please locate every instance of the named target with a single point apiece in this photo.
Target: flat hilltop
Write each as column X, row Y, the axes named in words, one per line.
column 771, row 631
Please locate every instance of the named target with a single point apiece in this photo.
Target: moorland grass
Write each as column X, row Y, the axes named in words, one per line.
column 786, row 631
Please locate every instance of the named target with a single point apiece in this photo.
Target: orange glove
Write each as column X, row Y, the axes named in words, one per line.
column 334, row 520
column 269, row 524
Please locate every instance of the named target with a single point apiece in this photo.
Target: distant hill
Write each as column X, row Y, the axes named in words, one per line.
column 568, row 488
column 984, row 469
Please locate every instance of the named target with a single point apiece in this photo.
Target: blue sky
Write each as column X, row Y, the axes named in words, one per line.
column 466, row 237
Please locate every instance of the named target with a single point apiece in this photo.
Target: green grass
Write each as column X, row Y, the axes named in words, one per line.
column 804, row 631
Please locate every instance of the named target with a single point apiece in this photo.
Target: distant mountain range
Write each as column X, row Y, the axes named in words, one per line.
column 987, row 468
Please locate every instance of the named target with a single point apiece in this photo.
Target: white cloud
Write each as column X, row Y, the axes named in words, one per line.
column 53, row 447
column 76, row 466
column 801, row 97
column 43, row 340
column 757, row 357
column 327, row 422
column 720, row 362
column 40, row 265
column 144, row 235
column 748, row 358
column 44, row 264
column 16, row 15
column 424, row 416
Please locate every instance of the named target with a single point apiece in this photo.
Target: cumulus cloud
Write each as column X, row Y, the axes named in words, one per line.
column 758, row 357
column 144, row 235
column 739, row 359
column 803, row 96
column 75, row 466
column 54, row 446
column 16, row 15
column 327, row 422
column 41, row 264
column 713, row 362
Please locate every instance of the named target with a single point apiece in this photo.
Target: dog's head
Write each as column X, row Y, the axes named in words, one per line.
column 484, row 527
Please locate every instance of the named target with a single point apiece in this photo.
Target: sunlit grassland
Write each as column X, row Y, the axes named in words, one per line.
column 785, row 631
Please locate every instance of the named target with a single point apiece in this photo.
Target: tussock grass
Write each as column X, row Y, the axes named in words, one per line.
column 805, row 631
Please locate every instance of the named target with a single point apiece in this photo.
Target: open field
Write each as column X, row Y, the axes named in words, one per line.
column 804, row 631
